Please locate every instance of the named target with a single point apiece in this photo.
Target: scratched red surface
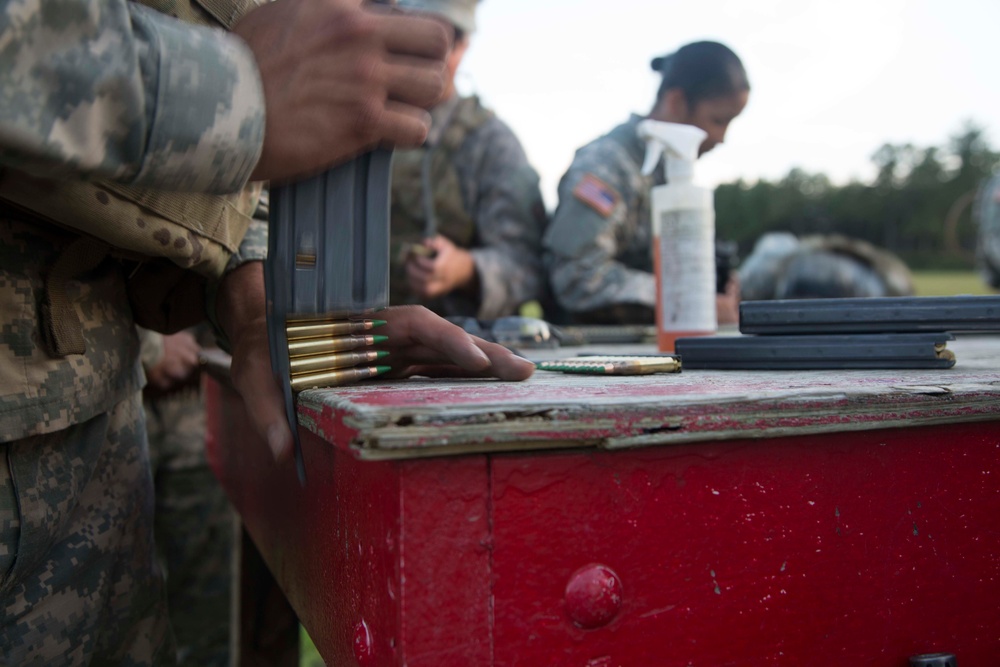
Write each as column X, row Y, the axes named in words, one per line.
column 862, row 549
column 553, row 407
column 311, row 535
column 977, row 365
column 362, row 545
column 548, row 388
column 856, row 547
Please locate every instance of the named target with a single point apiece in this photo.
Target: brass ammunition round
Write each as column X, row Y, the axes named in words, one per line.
column 329, row 362
column 614, row 365
column 942, row 352
column 315, row 346
column 342, row 328
column 335, row 378
column 321, row 318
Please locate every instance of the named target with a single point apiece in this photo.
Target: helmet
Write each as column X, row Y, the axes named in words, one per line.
column 460, row 13
column 822, row 274
column 760, row 272
column 816, row 267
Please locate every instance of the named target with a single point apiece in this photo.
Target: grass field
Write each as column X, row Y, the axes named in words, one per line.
column 310, row 657
column 928, row 283
column 948, row 283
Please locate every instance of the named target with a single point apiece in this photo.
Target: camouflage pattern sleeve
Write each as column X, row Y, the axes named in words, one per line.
column 150, row 348
column 110, row 89
column 509, row 216
column 598, row 245
column 253, row 248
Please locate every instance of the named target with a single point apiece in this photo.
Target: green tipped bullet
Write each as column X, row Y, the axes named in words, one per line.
column 323, row 329
column 329, row 344
column 329, row 362
column 336, row 378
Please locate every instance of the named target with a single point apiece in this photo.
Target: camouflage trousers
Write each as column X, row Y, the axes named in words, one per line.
column 195, row 528
column 80, row 582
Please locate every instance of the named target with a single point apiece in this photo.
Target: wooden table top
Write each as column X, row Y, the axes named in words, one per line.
column 431, row 417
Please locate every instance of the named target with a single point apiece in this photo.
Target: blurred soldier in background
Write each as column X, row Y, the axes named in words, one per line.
column 599, row 244
column 467, row 213
column 987, row 216
column 782, row 266
column 727, row 282
column 193, row 521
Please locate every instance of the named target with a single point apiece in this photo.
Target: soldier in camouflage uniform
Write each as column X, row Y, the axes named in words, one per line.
column 481, row 254
column 113, row 90
column 598, row 246
column 194, row 523
column 782, row 266
column 987, row 215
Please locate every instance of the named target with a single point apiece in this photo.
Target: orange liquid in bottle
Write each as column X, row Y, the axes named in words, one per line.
column 665, row 339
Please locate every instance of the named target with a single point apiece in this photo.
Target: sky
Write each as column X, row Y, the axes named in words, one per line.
column 831, row 81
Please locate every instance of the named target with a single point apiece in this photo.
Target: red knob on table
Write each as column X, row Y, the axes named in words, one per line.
column 593, row 596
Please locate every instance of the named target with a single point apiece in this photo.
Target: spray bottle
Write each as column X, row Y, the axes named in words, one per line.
column 683, row 235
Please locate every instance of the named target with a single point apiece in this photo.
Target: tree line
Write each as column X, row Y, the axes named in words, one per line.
column 919, row 204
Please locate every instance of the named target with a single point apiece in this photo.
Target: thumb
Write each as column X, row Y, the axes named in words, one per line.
column 265, row 405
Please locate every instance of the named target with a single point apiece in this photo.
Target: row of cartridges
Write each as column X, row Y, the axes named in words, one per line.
column 330, row 353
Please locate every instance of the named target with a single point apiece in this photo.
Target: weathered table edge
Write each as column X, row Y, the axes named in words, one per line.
column 384, row 433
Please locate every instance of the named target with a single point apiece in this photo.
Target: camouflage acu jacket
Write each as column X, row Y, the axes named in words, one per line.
column 104, row 89
column 485, row 198
column 598, row 247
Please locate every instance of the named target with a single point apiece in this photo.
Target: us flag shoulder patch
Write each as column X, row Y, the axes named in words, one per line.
column 596, row 194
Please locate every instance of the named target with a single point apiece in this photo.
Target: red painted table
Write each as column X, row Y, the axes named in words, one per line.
column 703, row 518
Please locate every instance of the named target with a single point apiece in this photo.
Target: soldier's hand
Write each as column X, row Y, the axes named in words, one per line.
column 727, row 304
column 422, row 343
column 178, row 363
column 444, row 269
column 419, row 342
column 339, row 79
column 241, row 311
